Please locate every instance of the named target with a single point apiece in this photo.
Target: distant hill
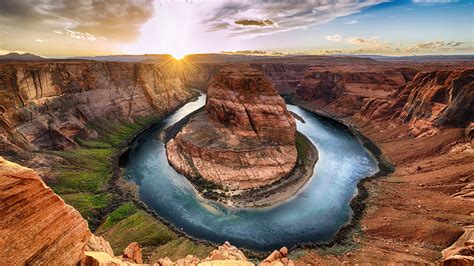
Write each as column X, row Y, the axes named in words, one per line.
column 420, row 58
column 17, row 56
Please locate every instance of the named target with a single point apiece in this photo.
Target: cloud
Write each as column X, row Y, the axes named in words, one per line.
column 116, row 19
column 334, row 38
column 435, row 45
column 285, row 15
column 258, row 23
column 362, row 41
column 79, row 35
column 329, row 52
column 39, row 40
column 351, row 22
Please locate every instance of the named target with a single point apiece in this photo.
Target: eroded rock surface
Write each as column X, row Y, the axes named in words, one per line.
column 46, row 105
column 431, row 100
column 244, row 139
column 36, row 226
column 462, row 251
column 342, row 91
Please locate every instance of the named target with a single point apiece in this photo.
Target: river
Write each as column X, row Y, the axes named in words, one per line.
column 315, row 214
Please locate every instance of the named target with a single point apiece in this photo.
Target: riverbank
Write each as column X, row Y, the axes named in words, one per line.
column 343, row 240
column 412, row 214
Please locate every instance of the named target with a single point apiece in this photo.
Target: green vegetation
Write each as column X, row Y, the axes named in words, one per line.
column 303, row 146
column 180, row 248
column 88, row 205
column 122, row 212
column 83, row 179
column 129, row 224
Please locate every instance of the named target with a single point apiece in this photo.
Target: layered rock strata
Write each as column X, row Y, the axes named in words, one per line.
column 47, row 104
column 342, row 91
column 245, row 138
column 430, row 101
column 36, row 226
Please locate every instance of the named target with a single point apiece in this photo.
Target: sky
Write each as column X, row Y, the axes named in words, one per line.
column 62, row 28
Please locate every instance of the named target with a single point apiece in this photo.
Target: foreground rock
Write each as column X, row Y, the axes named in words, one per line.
column 278, row 257
column 36, row 226
column 245, row 138
column 133, row 253
column 462, row 251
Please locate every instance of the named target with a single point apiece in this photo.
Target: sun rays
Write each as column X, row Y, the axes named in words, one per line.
column 177, row 66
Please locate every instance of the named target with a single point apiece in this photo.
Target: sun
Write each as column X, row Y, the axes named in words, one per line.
column 178, row 55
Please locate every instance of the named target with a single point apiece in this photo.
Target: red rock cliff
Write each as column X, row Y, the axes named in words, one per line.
column 44, row 105
column 244, row 139
column 433, row 99
column 242, row 98
column 342, row 90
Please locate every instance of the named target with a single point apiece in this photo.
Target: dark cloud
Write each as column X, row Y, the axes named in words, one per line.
column 258, row 23
column 454, row 44
column 114, row 19
column 285, row 15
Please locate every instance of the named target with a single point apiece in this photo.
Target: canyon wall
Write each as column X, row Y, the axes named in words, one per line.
column 422, row 123
column 284, row 77
column 45, row 105
column 342, row 90
column 431, row 100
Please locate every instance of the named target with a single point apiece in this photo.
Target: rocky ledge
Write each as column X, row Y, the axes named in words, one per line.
column 245, row 139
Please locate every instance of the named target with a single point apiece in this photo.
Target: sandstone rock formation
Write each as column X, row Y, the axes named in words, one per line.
column 462, row 251
column 45, row 105
column 222, row 256
column 226, row 252
column 341, row 91
column 99, row 244
column 133, row 253
column 36, row 226
column 278, row 257
column 244, row 139
column 432, row 100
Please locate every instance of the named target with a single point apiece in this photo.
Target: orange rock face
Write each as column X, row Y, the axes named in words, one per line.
column 245, row 101
column 246, row 137
column 45, row 105
column 133, row 253
column 278, row 257
column 431, row 100
column 36, row 226
column 342, row 90
column 226, row 252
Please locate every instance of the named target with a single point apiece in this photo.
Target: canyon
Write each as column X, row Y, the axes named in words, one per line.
column 419, row 115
